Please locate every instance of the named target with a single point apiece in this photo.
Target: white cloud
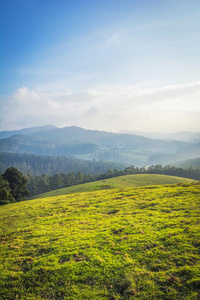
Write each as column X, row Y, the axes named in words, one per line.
column 168, row 108
column 118, row 38
column 24, row 93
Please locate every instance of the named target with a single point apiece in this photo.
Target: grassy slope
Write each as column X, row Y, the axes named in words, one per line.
column 140, row 243
column 117, row 182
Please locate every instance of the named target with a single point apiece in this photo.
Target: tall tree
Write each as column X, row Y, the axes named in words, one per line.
column 17, row 183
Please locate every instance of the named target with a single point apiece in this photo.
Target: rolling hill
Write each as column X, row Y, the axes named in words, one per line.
column 118, row 182
column 195, row 162
column 42, row 146
column 131, row 243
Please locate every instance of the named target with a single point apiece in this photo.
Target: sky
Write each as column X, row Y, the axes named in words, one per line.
column 100, row 64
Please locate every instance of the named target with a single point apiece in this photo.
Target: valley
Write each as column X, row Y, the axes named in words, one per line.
column 100, row 150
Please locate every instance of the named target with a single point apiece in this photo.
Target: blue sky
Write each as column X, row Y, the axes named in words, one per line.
column 108, row 65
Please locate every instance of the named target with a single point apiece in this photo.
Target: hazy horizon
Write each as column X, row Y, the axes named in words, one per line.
column 120, row 131
column 105, row 65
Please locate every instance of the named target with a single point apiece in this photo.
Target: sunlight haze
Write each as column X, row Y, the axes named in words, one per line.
column 107, row 65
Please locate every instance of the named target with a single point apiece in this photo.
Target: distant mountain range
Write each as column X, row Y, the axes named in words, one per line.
column 93, row 144
column 6, row 134
column 178, row 136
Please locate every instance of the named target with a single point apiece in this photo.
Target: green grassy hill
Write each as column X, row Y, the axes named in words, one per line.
column 130, row 243
column 118, row 182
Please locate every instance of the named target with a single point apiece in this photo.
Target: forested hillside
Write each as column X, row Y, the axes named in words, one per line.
column 195, row 162
column 51, row 173
column 45, row 183
column 38, row 165
column 93, row 144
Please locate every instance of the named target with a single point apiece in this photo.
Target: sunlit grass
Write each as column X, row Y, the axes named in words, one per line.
column 118, row 182
column 130, row 243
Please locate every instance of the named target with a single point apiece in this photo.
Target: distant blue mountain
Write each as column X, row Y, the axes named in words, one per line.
column 6, row 134
column 99, row 145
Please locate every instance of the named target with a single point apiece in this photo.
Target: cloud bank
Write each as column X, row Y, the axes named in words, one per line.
column 112, row 108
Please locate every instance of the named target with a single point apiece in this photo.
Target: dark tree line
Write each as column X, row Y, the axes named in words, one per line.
column 37, row 165
column 191, row 172
column 45, row 183
column 12, row 186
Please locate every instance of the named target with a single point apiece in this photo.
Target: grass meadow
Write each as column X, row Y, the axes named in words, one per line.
column 127, row 243
column 126, row 181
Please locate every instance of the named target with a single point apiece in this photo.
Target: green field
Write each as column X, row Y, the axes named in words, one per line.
column 129, row 243
column 118, row 182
